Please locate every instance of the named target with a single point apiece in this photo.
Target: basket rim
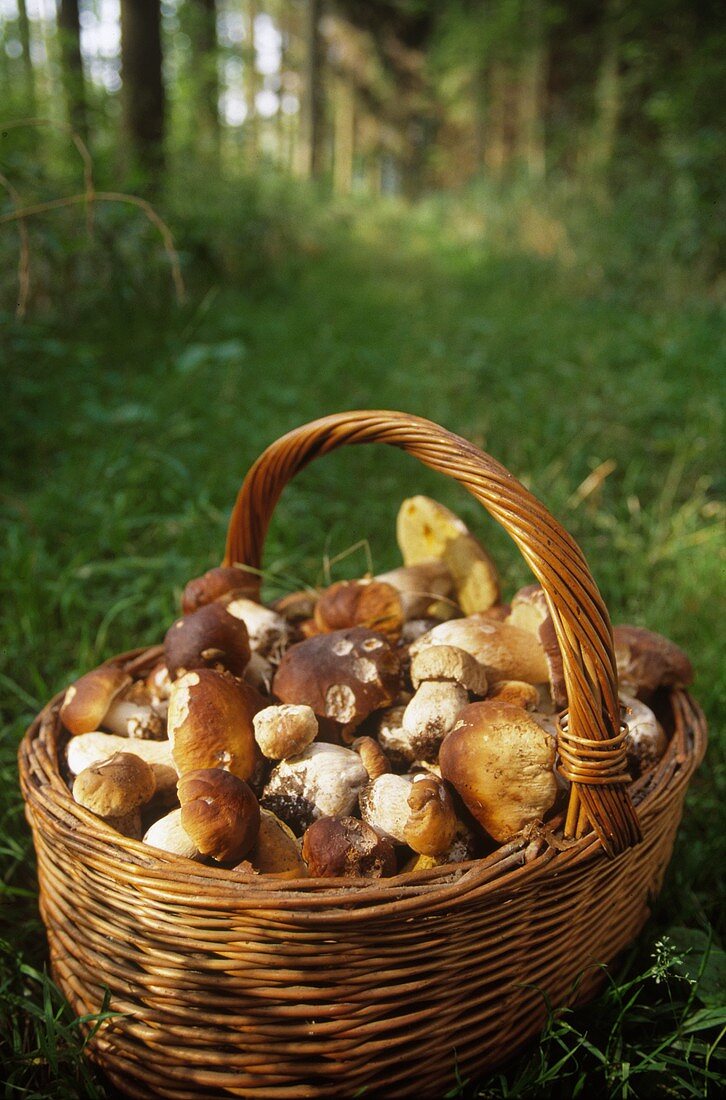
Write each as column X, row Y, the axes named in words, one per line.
column 513, row 863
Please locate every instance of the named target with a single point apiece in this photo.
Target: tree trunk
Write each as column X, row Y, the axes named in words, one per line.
column 202, row 17
column 28, row 74
column 479, row 94
column 530, row 137
column 143, row 103
column 344, row 138
column 311, row 108
column 74, row 88
column 252, row 84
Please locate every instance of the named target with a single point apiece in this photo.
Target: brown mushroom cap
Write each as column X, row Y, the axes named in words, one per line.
column 217, row 582
column 505, row 652
column 93, row 748
column 646, row 741
column 432, row 824
column 88, row 699
column 518, row 692
column 115, row 787
column 647, row 661
column 373, row 604
column 500, row 760
column 207, row 638
column 210, row 723
column 219, row 812
column 344, row 847
column 295, row 607
column 343, row 676
column 427, row 530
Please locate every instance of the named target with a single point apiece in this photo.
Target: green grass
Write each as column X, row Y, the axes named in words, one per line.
column 129, row 423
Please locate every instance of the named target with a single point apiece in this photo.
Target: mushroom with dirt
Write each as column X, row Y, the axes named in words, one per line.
column 322, row 781
column 500, row 760
column 442, row 676
column 345, row 847
column 116, row 789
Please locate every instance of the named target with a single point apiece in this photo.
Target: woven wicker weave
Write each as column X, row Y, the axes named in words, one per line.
column 231, row 985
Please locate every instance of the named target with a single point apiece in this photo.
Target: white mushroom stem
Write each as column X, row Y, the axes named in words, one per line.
column 169, row 835
column 136, row 720
column 419, row 586
column 259, row 673
column 322, row 781
column 384, row 806
column 91, row 748
column 268, row 631
column 431, row 714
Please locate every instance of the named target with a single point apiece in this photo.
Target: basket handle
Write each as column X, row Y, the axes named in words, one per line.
column 591, row 740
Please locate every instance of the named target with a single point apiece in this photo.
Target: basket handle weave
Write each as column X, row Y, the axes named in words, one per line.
column 591, row 740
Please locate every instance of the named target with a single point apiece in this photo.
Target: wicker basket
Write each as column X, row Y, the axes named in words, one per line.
column 238, row 986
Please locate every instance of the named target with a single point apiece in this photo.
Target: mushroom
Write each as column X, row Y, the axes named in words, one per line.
column 219, row 812
column 284, row 730
column 426, row 531
column 221, row 581
column 647, row 661
column 116, row 789
column 442, row 676
column 518, row 692
column 530, row 611
column 344, row 847
column 646, row 741
column 463, row 847
column 500, row 760
column 295, row 607
column 88, row 699
column 367, row 603
column 322, row 781
column 343, row 676
column 267, row 630
column 418, row 812
column 207, row 638
column 505, row 652
column 91, row 748
column 169, row 835
column 391, row 736
column 419, row 586
column 259, row 673
column 432, row 821
column 372, row 755
column 211, row 723
column 136, row 720
column 276, row 850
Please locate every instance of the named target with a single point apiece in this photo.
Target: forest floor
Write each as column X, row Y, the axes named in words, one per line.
column 129, row 422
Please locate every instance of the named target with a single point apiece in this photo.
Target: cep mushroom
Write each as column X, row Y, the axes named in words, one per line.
column 500, row 760
column 276, row 850
column 415, row 811
column 323, row 781
column 343, row 676
column 372, row 604
column 88, row 749
column 116, row 789
column 647, row 661
column 504, row 651
column 420, row 587
column 426, row 531
column 88, row 699
column 207, row 638
column 530, row 611
column 211, row 723
column 284, row 730
column 345, row 847
column 645, row 741
column 267, row 630
column 219, row 812
column 442, row 676
column 215, row 583
column 169, row 835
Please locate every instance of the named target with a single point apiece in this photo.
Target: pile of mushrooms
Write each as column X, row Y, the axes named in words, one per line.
column 391, row 723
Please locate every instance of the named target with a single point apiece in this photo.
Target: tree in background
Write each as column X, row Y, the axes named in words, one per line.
column 69, row 40
column 143, row 99
column 199, row 20
column 310, row 144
